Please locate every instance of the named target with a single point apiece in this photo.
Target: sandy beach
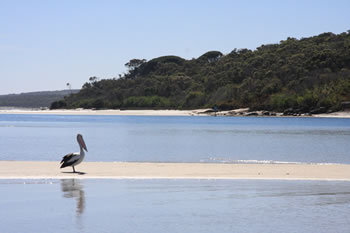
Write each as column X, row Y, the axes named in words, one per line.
column 169, row 112
column 126, row 170
column 116, row 112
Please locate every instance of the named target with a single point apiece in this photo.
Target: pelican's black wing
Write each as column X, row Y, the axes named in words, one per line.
column 69, row 159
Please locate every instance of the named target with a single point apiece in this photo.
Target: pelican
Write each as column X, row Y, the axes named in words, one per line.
column 73, row 159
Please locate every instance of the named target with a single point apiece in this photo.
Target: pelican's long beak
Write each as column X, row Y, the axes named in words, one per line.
column 82, row 143
column 84, row 146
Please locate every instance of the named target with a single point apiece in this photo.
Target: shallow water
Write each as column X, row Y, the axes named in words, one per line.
column 176, row 139
column 174, row 206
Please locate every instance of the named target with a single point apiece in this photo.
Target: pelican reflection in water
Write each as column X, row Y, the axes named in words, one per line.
column 72, row 188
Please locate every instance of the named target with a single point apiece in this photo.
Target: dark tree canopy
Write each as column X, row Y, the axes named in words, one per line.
column 211, row 56
column 302, row 74
column 135, row 63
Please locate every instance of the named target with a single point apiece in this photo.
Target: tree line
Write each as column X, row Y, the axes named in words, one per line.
column 34, row 99
column 298, row 74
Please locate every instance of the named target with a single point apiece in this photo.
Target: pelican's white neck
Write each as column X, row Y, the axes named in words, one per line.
column 82, row 152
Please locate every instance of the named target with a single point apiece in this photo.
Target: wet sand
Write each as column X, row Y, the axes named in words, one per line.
column 126, row 170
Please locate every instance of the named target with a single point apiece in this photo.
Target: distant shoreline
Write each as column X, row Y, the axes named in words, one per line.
column 195, row 112
column 102, row 112
column 134, row 170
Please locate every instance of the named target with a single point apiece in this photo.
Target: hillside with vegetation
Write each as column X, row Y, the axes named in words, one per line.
column 33, row 99
column 296, row 74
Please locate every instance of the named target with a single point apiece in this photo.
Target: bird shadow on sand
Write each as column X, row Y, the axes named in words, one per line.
column 78, row 173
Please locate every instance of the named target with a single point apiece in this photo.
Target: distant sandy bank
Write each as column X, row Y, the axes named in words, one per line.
column 195, row 112
column 121, row 170
column 103, row 112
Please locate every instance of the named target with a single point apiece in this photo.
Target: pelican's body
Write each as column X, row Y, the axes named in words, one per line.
column 73, row 159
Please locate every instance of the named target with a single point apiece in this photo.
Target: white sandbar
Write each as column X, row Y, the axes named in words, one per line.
column 126, row 170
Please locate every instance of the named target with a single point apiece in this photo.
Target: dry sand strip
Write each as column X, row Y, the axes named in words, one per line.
column 118, row 112
column 105, row 112
column 121, row 170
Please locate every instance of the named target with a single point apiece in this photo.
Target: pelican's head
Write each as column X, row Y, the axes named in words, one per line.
column 81, row 141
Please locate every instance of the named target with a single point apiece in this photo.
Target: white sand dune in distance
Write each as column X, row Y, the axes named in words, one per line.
column 118, row 112
column 112, row 112
column 135, row 170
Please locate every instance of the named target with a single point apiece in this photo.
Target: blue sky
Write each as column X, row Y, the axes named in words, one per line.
column 45, row 44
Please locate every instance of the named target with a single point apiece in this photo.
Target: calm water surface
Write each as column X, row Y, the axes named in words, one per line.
column 174, row 206
column 176, row 139
column 74, row 205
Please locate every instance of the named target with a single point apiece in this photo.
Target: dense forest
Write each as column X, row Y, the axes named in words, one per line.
column 33, row 99
column 297, row 74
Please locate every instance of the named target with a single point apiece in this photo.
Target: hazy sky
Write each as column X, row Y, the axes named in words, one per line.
column 45, row 44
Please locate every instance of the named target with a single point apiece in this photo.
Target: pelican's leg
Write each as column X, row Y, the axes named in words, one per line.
column 73, row 169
